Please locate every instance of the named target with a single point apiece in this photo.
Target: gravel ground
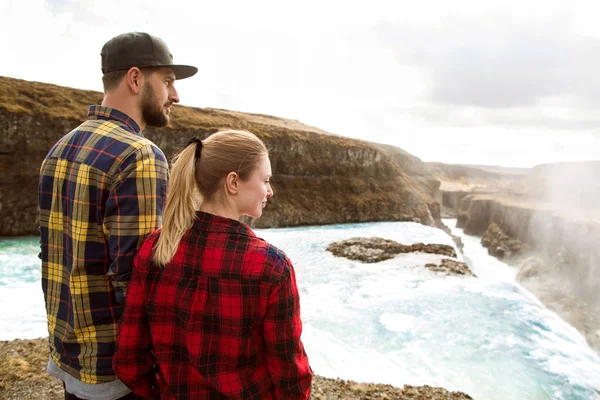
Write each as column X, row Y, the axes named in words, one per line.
column 23, row 377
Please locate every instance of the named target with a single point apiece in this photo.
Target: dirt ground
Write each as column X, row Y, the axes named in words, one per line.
column 23, row 377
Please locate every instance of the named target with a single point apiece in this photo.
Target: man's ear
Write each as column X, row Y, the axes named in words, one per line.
column 232, row 183
column 135, row 79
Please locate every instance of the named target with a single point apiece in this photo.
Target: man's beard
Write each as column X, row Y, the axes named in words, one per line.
column 152, row 112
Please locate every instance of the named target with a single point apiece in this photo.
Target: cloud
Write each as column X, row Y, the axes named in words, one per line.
column 505, row 68
column 436, row 78
column 494, row 70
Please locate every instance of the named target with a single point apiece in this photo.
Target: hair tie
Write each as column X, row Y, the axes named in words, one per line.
column 198, row 142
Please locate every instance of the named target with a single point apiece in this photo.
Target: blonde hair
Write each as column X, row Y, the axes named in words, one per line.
column 194, row 180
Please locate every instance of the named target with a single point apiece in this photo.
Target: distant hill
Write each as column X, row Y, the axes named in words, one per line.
column 319, row 178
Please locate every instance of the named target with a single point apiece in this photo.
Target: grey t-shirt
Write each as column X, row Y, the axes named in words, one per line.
column 100, row 391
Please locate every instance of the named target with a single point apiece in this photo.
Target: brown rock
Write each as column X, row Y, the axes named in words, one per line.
column 451, row 267
column 442, row 249
column 339, row 389
column 500, row 245
column 374, row 249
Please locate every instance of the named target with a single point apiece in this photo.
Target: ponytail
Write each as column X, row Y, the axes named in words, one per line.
column 181, row 204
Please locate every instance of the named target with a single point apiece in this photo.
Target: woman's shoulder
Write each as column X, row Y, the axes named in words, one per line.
column 274, row 259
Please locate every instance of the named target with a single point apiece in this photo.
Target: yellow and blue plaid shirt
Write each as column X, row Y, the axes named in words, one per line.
column 101, row 191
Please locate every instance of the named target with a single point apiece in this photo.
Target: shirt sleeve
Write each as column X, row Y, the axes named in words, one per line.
column 286, row 358
column 133, row 361
column 133, row 210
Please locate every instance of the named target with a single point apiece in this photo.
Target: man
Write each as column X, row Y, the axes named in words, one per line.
column 101, row 191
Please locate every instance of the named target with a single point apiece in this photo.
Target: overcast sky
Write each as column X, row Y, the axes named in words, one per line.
column 513, row 83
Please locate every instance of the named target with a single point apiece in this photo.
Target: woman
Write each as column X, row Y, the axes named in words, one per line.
column 212, row 311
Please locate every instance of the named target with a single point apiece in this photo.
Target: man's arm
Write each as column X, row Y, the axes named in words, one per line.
column 133, row 210
column 286, row 359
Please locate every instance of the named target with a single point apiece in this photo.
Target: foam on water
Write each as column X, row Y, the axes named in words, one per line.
column 22, row 309
column 22, row 312
column 396, row 322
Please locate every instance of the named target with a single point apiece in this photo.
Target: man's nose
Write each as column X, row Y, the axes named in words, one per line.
column 173, row 96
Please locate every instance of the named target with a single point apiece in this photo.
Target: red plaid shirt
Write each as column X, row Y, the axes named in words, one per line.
column 221, row 320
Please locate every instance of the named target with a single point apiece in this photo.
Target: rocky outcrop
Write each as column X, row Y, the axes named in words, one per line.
column 374, row 249
column 561, row 241
column 476, row 175
column 367, row 250
column 23, row 376
column 319, row 178
column 500, row 245
column 544, row 220
column 458, row 181
column 548, row 231
column 339, row 389
column 450, row 267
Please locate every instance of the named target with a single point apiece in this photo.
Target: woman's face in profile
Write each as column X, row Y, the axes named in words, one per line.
column 254, row 192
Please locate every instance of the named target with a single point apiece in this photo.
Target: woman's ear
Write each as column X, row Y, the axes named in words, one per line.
column 232, row 183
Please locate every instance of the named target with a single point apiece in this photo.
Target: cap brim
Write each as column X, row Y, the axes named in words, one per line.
column 183, row 71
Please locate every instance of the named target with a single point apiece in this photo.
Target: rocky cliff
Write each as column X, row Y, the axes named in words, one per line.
column 319, row 178
column 547, row 224
column 457, row 181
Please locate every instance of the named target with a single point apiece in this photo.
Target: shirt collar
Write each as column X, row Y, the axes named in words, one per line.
column 215, row 223
column 112, row 114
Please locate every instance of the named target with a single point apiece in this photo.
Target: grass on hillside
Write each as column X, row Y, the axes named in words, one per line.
column 34, row 98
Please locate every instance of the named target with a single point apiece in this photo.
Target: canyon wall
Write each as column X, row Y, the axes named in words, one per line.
column 319, row 177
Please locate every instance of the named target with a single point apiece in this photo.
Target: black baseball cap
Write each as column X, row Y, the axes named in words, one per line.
column 140, row 49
